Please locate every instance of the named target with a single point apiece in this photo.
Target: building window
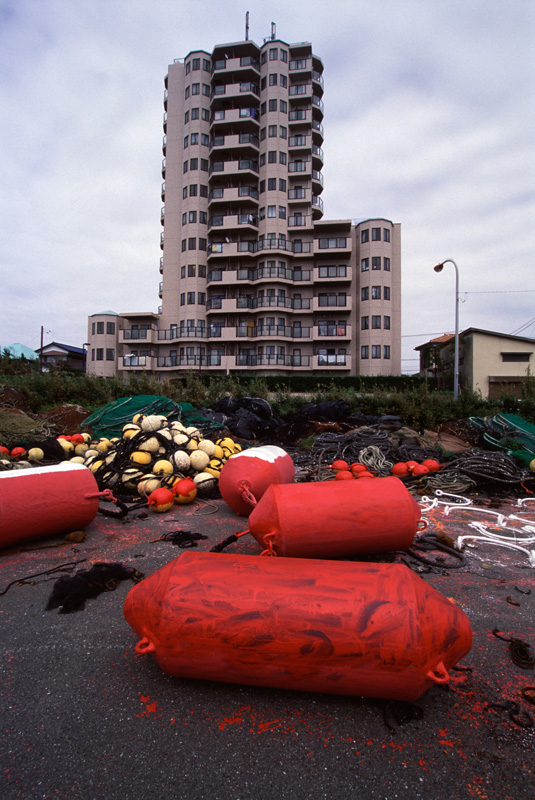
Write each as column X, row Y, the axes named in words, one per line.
column 185, row 166
column 186, row 93
column 205, row 114
column 365, row 293
column 282, row 185
column 262, row 213
column 195, row 113
column 273, row 79
column 196, row 63
column 272, row 156
column 192, row 216
column 203, row 218
column 206, row 90
column 201, row 298
column 283, row 80
column 263, row 57
column 282, row 212
column 100, row 354
column 282, row 158
column 515, row 357
column 284, row 106
column 193, row 190
column 194, row 163
column 365, row 236
column 203, row 190
column 192, row 243
column 261, row 187
column 110, row 354
column 386, row 292
column 206, row 65
column 194, row 138
column 376, row 351
column 204, row 168
column 186, row 141
column 186, row 117
column 386, row 264
column 376, row 321
column 365, row 265
column 273, row 53
column 376, row 262
column 184, row 193
column 283, row 132
column 376, row 292
column 386, row 237
column 202, row 243
column 182, row 272
column 386, row 351
column 191, row 298
column 272, row 184
column 183, row 245
column 376, row 237
column 364, row 323
column 202, row 271
column 272, row 131
column 191, row 270
column 188, row 67
column 364, row 351
column 331, row 242
column 386, row 323
column 272, row 105
column 284, row 56
column 272, row 211
column 100, row 327
column 262, row 109
column 184, row 218
column 195, row 88
column 93, row 352
column 182, row 299
column 262, row 134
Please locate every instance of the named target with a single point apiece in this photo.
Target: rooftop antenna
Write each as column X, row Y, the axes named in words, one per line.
column 273, row 30
column 247, row 26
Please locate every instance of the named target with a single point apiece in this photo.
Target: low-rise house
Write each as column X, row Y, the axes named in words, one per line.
column 489, row 362
column 55, row 354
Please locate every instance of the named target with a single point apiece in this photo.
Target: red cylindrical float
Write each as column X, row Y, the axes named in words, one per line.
column 336, row 519
column 246, row 476
column 374, row 630
column 46, row 500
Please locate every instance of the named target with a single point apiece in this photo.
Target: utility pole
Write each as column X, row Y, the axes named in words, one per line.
column 41, row 351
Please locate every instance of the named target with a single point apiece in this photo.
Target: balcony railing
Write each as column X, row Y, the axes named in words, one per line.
column 253, row 360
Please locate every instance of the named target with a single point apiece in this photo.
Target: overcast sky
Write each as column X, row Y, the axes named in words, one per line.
column 429, row 121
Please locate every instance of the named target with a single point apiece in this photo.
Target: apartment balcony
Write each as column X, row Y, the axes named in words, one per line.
column 299, row 196
column 325, row 330
column 332, row 273
column 231, row 91
column 161, row 265
column 250, row 275
column 300, row 167
column 317, row 81
column 300, row 116
column 161, row 240
column 248, row 360
column 137, row 363
column 133, row 334
column 245, row 117
column 231, row 250
column 189, row 362
column 317, row 130
column 298, row 65
column 164, row 145
column 251, row 303
column 317, row 206
column 227, row 222
column 337, row 363
column 244, row 140
column 317, row 181
column 299, row 221
column 339, row 301
column 162, row 215
column 175, row 333
column 299, row 142
column 233, row 194
column 165, row 122
column 300, row 91
column 327, row 245
column 242, row 166
column 163, row 167
column 244, row 64
column 163, row 191
column 317, row 156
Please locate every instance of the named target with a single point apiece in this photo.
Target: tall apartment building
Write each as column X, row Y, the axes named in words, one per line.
column 252, row 277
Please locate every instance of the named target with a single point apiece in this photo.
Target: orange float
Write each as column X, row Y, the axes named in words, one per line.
column 46, row 500
column 373, row 630
column 245, row 476
column 336, row 519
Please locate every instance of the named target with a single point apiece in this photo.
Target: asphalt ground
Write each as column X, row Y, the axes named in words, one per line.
column 85, row 718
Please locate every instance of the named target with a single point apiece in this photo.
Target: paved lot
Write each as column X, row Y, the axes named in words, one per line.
column 84, row 717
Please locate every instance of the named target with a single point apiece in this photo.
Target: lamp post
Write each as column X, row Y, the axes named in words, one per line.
column 439, row 268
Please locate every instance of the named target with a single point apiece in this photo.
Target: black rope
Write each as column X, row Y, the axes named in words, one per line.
column 183, row 539
column 520, row 654
column 68, row 567
column 217, row 548
column 515, row 713
column 429, row 542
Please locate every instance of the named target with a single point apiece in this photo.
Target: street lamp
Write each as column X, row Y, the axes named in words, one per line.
column 439, row 268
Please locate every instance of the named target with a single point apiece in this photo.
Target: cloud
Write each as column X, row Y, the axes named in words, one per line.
column 428, row 120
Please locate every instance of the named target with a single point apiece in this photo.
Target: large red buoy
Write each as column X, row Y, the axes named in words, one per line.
column 45, row 501
column 246, row 476
column 336, row 519
column 374, row 630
